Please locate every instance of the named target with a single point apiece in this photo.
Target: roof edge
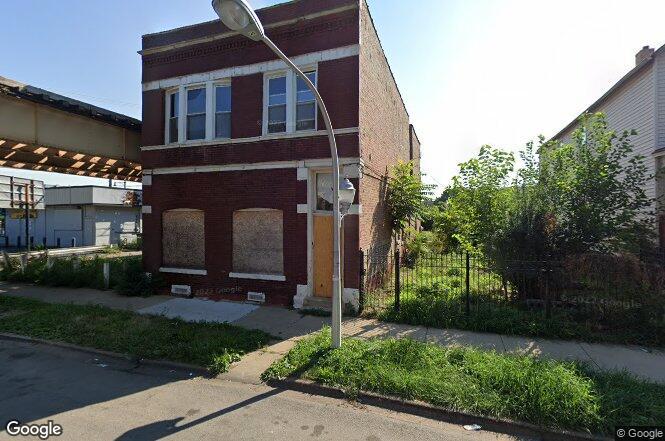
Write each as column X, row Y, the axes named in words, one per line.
column 627, row 77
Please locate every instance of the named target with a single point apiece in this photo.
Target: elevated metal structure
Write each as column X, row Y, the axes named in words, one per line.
column 41, row 130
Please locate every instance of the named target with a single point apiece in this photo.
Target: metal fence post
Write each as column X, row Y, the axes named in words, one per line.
column 361, row 283
column 398, row 284
column 548, row 300
column 468, row 284
column 107, row 274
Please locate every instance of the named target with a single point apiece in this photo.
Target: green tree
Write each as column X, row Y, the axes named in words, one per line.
column 594, row 187
column 406, row 196
column 477, row 201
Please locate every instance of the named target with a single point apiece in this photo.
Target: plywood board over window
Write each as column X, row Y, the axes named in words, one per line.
column 258, row 242
column 183, row 239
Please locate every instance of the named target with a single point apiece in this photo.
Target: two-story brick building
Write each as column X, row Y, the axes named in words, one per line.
column 236, row 155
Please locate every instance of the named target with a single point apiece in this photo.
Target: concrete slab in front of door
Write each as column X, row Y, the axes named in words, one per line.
column 196, row 310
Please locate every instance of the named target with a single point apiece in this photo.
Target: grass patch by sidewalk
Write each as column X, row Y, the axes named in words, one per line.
column 214, row 346
column 545, row 392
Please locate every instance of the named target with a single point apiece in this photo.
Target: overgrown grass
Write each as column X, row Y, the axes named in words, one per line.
column 436, row 297
column 215, row 346
column 544, row 392
column 126, row 274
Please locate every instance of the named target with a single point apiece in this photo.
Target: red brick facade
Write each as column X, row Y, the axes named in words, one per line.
column 364, row 104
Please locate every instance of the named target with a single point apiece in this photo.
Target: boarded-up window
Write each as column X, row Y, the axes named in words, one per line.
column 258, row 242
column 183, row 239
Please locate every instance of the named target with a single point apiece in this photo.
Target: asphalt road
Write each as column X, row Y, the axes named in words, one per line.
column 105, row 399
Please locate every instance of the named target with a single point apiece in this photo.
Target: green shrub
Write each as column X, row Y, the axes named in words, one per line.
column 131, row 245
column 135, row 282
column 126, row 274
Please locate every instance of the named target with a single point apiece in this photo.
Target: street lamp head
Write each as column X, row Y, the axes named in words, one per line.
column 238, row 16
column 347, row 192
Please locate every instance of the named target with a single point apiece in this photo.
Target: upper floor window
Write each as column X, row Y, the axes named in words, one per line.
column 223, row 111
column 289, row 104
column 277, row 105
column 173, row 110
column 306, row 104
column 196, row 114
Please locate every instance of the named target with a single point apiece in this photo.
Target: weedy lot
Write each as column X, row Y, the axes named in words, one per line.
column 210, row 345
column 545, row 392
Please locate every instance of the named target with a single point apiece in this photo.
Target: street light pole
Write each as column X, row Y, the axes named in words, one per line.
column 239, row 16
column 337, row 220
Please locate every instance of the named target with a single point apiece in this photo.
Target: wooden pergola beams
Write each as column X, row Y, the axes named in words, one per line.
column 20, row 155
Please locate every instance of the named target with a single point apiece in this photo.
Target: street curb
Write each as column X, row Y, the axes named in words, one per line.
column 140, row 361
column 437, row 413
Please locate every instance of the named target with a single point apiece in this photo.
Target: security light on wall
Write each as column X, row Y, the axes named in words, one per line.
column 238, row 16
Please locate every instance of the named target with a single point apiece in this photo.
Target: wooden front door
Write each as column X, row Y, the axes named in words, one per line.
column 323, row 255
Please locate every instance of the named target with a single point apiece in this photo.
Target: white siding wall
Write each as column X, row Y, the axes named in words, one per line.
column 660, row 100
column 632, row 107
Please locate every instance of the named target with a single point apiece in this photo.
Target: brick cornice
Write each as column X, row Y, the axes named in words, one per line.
column 241, row 43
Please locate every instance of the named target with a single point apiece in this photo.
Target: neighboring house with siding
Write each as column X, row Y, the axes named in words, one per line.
column 236, row 156
column 637, row 102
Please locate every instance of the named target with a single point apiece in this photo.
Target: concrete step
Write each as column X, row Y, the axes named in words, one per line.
column 321, row 303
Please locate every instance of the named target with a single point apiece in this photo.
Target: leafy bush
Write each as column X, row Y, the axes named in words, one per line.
column 136, row 282
column 126, row 274
column 131, row 245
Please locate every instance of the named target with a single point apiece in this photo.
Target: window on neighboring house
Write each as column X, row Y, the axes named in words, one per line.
column 277, row 105
column 196, row 114
column 305, row 104
column 183, row 239
column 258, row 242
column 223, row 111
column 173, row 112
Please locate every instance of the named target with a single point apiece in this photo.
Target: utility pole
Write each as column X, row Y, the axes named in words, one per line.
column 27, row 218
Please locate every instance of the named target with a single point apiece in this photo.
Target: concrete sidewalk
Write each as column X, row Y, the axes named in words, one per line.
column 290, row 326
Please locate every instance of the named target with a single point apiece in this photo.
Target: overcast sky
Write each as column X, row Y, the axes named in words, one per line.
column 472, row 72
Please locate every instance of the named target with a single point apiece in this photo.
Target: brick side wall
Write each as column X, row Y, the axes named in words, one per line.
column 415, row 150
column 384, row 133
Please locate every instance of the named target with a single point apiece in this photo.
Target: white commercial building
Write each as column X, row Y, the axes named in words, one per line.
column 78, row 216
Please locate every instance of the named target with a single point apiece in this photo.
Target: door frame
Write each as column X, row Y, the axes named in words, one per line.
column 311, row 213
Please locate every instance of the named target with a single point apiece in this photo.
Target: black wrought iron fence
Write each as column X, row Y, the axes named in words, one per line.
column 598, row 297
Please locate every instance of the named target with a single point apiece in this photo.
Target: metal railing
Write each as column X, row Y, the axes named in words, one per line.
column 587, row 294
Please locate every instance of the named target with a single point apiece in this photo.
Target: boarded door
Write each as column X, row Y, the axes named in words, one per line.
column 323, row 251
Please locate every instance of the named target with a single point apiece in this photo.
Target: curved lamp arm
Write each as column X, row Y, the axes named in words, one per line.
column 337, row 292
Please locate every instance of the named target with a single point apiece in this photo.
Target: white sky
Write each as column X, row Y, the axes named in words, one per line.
column 514, row 69
column 472, row 72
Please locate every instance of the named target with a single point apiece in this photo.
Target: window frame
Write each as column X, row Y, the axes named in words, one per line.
column 215, row 85
column 316, row 105
column 291, row 99
column 167, row 135
column 206, row 112
column 266, row 100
